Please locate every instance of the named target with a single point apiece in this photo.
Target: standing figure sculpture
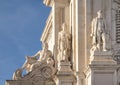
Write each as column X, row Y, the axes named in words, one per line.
column 99, row 32
column 63, row 44
column 39, row 58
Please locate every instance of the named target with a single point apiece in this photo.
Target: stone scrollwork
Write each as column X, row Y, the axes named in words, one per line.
column 41, row 68
column 47, row 72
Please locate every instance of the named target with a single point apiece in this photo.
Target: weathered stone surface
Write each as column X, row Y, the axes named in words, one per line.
column 82, row 62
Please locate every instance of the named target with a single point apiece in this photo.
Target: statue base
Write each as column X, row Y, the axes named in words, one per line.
column 64, row 68
column 102, row 57
column 102, row 69
column 64, row 75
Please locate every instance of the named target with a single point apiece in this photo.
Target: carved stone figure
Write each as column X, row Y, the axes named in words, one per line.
column 99, row 32
column 39, row 58
column 40, row 66
column 63, row 44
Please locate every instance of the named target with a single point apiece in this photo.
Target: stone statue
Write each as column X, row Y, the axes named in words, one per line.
column 99, row 33
column 63, row 44
column 41, row 63
column 40, row 57
column 40, row 68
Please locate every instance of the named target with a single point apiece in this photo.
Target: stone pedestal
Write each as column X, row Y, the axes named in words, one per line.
column 65, row 74
column 65, row 80
column 18, row 82
column 35, row 82
column 102, row 57
column 64, row 68
column 102, row 69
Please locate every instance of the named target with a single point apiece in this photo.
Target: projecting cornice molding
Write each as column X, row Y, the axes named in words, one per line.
column 59, row 2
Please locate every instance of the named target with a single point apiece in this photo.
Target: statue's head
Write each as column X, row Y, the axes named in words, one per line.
column 45, row 46
column 64, row 27
column 100, row 14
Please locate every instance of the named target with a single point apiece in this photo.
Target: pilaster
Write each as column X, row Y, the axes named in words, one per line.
column 65, row 74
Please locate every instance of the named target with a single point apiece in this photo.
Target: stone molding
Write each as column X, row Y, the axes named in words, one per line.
column 59, row 2
column 47, row 28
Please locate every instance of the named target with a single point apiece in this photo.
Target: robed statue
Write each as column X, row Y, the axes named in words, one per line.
column 99, row 32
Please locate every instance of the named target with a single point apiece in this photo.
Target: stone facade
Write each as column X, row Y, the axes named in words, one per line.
column 78, row 58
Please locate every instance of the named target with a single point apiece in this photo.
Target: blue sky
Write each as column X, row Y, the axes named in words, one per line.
column 21, row 25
